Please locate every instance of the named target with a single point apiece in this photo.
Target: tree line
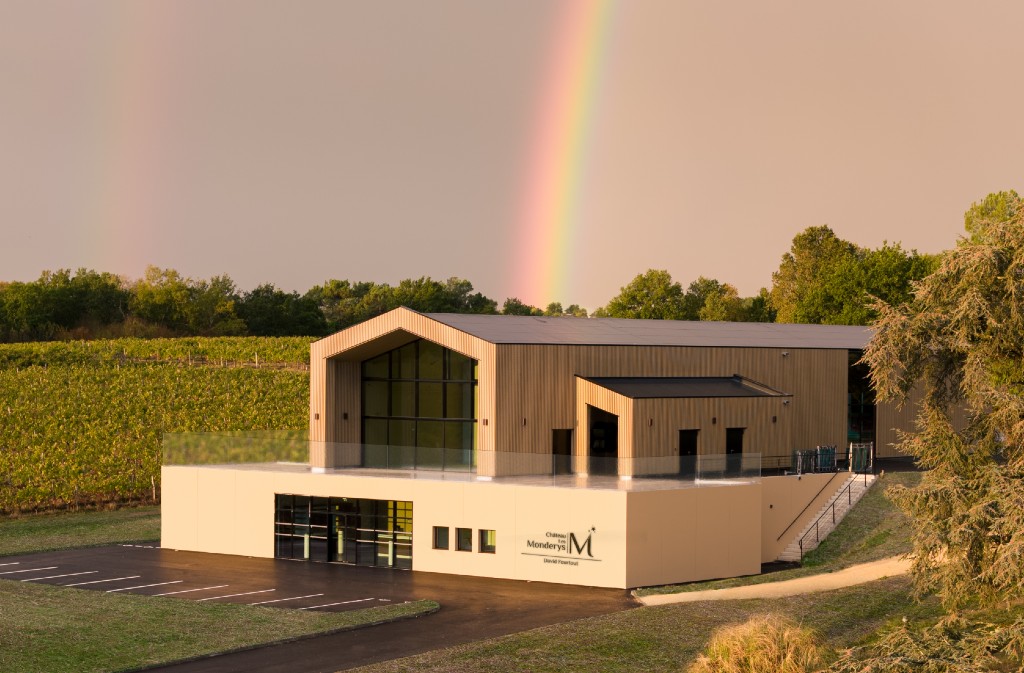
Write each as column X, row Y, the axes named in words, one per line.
column 821, row 279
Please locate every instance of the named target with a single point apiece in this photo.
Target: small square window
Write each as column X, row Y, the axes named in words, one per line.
column 488, row 541
column 441, row 537
column 465, row 539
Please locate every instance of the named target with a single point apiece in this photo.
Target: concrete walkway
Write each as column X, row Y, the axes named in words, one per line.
column 847, row 577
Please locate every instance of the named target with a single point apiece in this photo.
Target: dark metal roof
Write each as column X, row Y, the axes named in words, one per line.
column 512, row 329
column 635, row 387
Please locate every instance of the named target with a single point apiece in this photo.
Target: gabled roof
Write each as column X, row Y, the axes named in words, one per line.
column 511, row 329
column 637, row 387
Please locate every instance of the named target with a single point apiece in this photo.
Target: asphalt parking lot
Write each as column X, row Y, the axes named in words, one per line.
column 150, row 571
column 471, row 608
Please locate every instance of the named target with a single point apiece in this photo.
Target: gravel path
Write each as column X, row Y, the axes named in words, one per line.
column 858, row 574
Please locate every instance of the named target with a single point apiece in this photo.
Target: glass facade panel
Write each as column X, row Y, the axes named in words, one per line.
column 416, row 399
column 431, row 398
column 375, row 398
column 431, row 358
column 402, row 433
column 403, row 399
column 441, row 537
column 461, row 368
column 360, row 531
column 488, row 541
column 464, row 538
column 459, row 400
column 375, row 431
column 378, row 367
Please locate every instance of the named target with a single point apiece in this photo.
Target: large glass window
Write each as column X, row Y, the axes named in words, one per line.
column 360, row 531
column 420, row 397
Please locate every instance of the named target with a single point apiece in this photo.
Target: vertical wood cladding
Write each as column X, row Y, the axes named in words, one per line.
column 537, row 385
column 891, row 420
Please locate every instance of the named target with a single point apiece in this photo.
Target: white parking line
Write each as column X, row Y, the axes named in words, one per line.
column 52, row 577
column 11, row 572
column 278, row 600
column 247, row 593
column 328, row 605
column 112, row 579
column 142, row 586
column 188, row 591
column 16, row 563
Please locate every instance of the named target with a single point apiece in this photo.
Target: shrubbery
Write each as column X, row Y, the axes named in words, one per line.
column 770, row 643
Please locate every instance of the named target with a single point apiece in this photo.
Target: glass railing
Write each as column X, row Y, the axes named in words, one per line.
column 291, row 447
column 233, row 448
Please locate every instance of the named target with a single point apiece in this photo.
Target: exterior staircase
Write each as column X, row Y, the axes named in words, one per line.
column 828, row 517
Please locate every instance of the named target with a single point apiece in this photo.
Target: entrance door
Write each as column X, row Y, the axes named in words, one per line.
column 734, row 450
column 688, row 452
column 604, row 441
column 561, row 451
column 360, row 531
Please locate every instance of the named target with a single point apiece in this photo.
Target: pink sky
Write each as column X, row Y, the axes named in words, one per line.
column 295, row 142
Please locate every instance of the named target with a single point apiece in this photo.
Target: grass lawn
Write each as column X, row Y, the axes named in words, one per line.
column 666, row 638
column 56, row 629
column 873, row 530
column 31, row 533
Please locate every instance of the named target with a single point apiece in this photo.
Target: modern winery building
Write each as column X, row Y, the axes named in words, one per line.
column 600, row 452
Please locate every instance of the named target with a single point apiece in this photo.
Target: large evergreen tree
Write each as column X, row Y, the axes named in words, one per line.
column 960, row 340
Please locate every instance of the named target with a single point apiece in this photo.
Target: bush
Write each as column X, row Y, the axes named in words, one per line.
column 768, row 643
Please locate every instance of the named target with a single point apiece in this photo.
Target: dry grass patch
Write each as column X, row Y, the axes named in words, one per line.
column 769, row 642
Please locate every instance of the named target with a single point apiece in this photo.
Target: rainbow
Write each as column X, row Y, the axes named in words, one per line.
column 556, row 169
column 134, row 86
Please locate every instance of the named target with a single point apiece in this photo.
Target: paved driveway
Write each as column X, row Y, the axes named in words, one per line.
column 471, row 608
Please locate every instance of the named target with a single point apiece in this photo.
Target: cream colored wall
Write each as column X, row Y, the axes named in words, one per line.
column 673, row 536
column 782, row 500
column 693, row 534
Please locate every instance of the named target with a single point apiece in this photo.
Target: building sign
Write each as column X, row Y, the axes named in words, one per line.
column 559, row 548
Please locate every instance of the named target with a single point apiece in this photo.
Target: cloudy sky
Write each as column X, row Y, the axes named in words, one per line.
column 292, row 142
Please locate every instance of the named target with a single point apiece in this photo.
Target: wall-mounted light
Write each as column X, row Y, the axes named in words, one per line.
column 785, row 354
column 650, row 422
column 485, row 421
column 344, row 416
column 524, row 422
column 714, row 420
column 775, row 419
column 316, row 417
column 785, row 403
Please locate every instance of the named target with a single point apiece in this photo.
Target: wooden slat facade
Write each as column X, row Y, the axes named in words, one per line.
column 538, row 386
column 525, row 391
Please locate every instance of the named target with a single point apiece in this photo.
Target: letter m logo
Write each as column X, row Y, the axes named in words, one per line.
column 576, row 548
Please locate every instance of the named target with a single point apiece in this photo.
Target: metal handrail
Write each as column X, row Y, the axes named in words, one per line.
column 849, row 494
column 809, row 503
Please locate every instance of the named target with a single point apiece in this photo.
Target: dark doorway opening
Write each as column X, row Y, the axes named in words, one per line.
column 604, row 441
column 860, row 413
column 561, row 451
column 688, row 452
column 734, row 450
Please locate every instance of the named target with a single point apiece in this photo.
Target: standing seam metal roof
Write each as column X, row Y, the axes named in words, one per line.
column 510, row 329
